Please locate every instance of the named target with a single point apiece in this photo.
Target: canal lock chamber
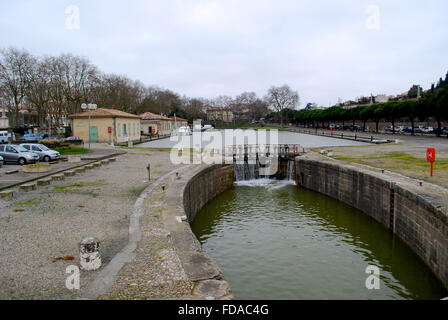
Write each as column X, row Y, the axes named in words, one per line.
column 276, row 240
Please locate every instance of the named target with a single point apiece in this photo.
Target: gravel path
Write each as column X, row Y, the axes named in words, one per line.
column 156, row 272
column 39, row 226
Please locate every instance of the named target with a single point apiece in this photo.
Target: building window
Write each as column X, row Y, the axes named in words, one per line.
column 119, row 130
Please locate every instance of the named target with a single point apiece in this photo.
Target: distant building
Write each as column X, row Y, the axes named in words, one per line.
column 349, row 106
column 152, row 123
column 381, row 98
column 177, row 122
column 241, row 113
column 106, row 125
column 27, row 116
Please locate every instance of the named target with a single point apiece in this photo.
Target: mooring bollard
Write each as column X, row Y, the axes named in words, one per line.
column 90, row 254
column 149, row 171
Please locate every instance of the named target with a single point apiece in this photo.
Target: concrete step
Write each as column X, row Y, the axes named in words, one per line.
column 7, row 194
column 28, row 187
column 44, row 182
column 58, row 177
column 69, row 173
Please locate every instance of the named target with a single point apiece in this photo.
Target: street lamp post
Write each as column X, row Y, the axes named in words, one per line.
column 89, row 107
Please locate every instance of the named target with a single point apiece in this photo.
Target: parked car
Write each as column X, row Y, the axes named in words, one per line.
column 428, row 130
column 185, row 131
column 45, row 153
column 44, row 135
column 208, row 127
column 2, row 162
column 73, row 139
column 31, row 138
column 17, row 154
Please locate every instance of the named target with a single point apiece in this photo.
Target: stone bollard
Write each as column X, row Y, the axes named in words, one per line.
column 73, row 159
column 69, row 173
column 28, row 187
column 80, row 170
column 90, row 257
column 58, row 177
column 44, row 182
column 7, row 194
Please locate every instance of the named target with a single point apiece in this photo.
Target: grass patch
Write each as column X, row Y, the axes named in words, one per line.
column 135, row 192
column 77, row 186
column 28, row 203
column 412, row 160
column 36, row 165
column 72, row 150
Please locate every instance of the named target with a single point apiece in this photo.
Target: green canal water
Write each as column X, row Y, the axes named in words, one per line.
column 273, row 240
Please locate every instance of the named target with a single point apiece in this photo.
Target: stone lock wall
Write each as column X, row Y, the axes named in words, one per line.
column 205, row 186
column 187, row 194
column 417, row 218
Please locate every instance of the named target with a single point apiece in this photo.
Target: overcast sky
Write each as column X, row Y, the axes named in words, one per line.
column 323, row 49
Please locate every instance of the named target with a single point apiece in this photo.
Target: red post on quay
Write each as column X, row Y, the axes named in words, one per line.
column 431, row 157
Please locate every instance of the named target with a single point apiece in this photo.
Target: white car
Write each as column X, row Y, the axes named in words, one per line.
column 186, row 131
column 45, row 153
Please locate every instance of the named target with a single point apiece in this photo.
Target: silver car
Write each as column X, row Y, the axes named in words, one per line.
column 1, row 161
column 17, row 154
column 45, row 153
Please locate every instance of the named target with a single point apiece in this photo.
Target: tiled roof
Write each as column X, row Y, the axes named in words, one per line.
column 153, row 116
column 102, row 112
column 178, row 119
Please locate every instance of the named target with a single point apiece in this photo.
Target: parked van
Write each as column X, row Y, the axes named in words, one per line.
column 4, row 136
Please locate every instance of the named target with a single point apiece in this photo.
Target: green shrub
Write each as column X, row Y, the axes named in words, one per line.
column 53, row 144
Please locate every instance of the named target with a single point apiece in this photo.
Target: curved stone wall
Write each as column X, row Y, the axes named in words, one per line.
column 188, row 193
column 418, row 217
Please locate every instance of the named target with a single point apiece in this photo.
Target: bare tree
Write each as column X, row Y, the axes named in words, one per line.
column 281, row 98
column 15, row 71
column 160, row 101
column 222, row 101
column 72, row 75
column 194, row 107
column 39, row 89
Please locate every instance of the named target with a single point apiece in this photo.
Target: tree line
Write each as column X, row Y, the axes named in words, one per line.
column 433, row 104
column 57, row 86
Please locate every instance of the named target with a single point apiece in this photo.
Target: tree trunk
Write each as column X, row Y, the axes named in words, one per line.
column 412, row 124
column 439, row 127
column 393, row 126
column 377, row 124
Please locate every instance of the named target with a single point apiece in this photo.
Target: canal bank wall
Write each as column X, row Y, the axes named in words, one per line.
column 410, row 211
column 185, row 197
